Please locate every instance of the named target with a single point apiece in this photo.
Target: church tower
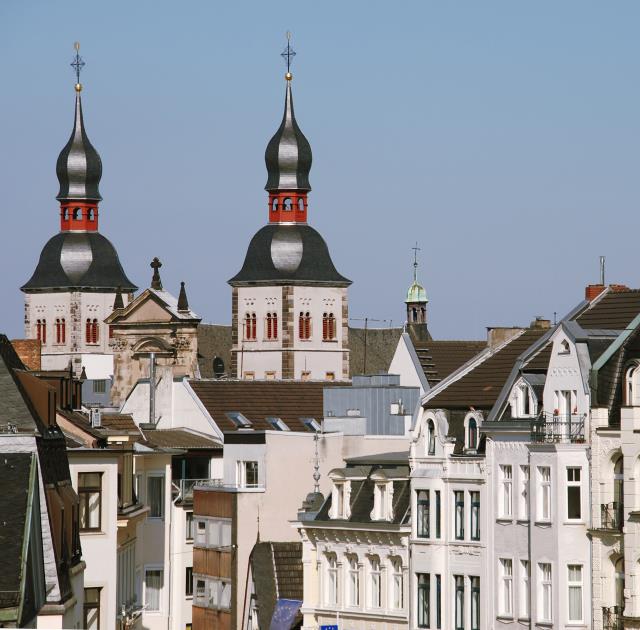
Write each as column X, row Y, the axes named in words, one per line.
column 75, row 283
column 416, row 304
column 289, row 304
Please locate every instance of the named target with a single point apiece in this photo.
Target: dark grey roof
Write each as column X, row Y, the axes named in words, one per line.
column 78, row 260
column 380, row 346
column 395, row 458
column 288, row 254
column 79, row 167
column 214, row 341
column 288, row 154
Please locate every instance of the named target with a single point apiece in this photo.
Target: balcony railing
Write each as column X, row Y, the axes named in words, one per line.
column 183, row 488
column 611, row 516
column 612, row 618
column 556, row 428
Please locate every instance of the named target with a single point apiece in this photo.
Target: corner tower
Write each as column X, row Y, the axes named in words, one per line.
column 289, row 303
column 416, row 303
column 75, row 283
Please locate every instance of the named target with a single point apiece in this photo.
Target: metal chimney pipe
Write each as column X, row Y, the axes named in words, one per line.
column 602, row 270
column 152, row 388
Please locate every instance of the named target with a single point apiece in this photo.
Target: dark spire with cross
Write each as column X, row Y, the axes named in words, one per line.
column 156, row 283
column 77, row 64
column 288, row 54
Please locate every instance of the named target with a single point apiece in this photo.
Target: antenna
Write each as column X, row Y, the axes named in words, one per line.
column 602, row 259
column 415, row 249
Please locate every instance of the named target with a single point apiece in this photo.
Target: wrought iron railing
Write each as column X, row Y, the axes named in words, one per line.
column 556, row 428
column 612, row 618
column 611, row 516
column 183, row 488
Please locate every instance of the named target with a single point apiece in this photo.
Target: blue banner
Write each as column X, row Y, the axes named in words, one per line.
column 285, row 614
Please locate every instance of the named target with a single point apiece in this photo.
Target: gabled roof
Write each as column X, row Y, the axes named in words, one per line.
column 481, row 386
column 163, row 298
column 258, row 400
column 614, row 310
column 439, row 358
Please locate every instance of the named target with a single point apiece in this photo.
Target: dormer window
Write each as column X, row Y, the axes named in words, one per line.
column 632, row 387
column 564, row 347
column 380, row 502
column 472, row 434
column 338, row 500
column 431, row 437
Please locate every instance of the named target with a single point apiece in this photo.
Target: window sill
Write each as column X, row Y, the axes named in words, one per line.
column 523, row 521
column 91, row 532
column 505, row 618
column 544, row 624
column 572, row 522
column 329, row 341
column 543, row 523
column 524, row 619
column 505, row 520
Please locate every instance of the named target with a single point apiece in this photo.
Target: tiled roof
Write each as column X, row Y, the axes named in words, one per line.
column 613, row 311
column 180, row 438
column 118, row 422
column 257, row 400
column 481, row 386
column 438, row 359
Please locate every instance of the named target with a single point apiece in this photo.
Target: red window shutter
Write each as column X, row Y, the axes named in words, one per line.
column 269, row 324
column 307, row 326
column 275, row 325
column 63, row 328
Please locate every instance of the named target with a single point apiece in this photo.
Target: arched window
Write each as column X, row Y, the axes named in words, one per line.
column 41, row 331
column 65, row 214
column 218, row 367
column 304, row 325
column 61, row 332
column 414, row 314
column 431, row 438
column 618, row 483
column 250, row 327
column 288, row 204
column 423, row 312
column 328, row 327
column 274, row 205
column 272, row 325
column 77, row 214
column 564, row 347
column 632, row 388
column 301, row 204
column 619, row 583
column 91, row 331
column 472, row 434
column 91, row 214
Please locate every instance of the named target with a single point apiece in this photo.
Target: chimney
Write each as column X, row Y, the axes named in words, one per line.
column 96, row 417
column 540, row 323
column 497, row 335
column 592, row 291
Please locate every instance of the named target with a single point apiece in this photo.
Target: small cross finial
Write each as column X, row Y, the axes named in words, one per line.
column 415, row 249
column 77, row 64
column 288, row 54
column 156, row 283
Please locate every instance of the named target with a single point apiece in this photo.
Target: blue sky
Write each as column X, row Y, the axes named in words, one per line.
column 502, row 136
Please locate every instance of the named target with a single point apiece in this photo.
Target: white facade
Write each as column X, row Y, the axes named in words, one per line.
column 286, row 351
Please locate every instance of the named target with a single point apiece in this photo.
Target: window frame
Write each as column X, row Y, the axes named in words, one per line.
column 458, row 505
column 161, row 476
column 84, row 495
column 397, row 584
column 474, row 515
column 475, row 601
column 331, row 573
column 505, row 503
column 544, row 514
column 545, row 586
column 353, row 581
column 375, row 576
column 431, row 437
column 188, row 526
column 423, row 600
column 93, row 606
column 438, row 515
column 153, row 568
column 523, row 495
column 188, row 582
column 505, row 595
column 524, row 599
column 579, row 585
column 423, row 514
column 458, row 609
column 572, row 485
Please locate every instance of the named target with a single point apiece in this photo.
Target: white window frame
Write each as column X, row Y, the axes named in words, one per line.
column 524, row 492
column 381, row 499
column 331, row 575
column 545, row 584
column 353, row 582
column 572, row 483
column 375, row 582
column 241, row 473
column 397, row 584
column 575, row 585
column 505, row 596
column 524, row 605
column 506, row 491
column 544, row 494
column 148, row 568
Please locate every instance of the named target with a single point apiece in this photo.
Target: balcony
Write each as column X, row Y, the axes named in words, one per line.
column 552, row 428
column 611, row 516
column 183, row 488
column 612, row 618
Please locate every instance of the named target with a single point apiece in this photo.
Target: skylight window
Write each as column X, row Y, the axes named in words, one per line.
column 312, row 424
column 239, row 419
column 277, row 423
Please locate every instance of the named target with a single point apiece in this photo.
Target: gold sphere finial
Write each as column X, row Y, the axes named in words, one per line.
column 78, row 87
column 76, row 45
column 288, row 76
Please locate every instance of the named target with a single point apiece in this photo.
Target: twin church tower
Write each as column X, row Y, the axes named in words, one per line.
column 289, row 303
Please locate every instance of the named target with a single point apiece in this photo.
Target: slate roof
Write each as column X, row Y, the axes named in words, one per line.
column 613, row 311
column 362, row 496
column 15, row 472
column 381, row 346
column 84, row 261
column 214, row 340
column 180, row 438
column 288, row 254
column 438, row 359
column 257, row 400
column 276, row 568
column 480, row 387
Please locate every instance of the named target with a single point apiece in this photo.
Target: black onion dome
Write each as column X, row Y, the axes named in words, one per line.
column 79, row 167
column 79, row 260
column 288, row 254
column 288, row 154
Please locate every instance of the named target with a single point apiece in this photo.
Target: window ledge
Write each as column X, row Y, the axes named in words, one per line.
column 572, row 522
column 504, row 519
column 505, row 618
column 523, row 521
column 524, row 619
column 329, row 341
column 543, row 523
column 544, row 624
